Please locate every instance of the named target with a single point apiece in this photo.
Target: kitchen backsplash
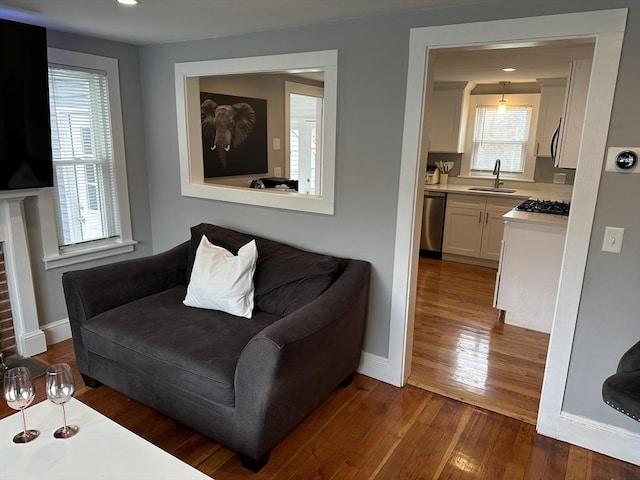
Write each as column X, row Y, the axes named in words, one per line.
column 545, row 171
column 544, row 167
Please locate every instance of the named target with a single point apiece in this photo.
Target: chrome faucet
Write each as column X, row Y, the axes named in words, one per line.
column 496, row 172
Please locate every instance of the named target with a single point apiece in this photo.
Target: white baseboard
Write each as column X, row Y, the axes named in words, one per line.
column 600, row 437
column 32, row 343
column 57, row 331
column 374, row 366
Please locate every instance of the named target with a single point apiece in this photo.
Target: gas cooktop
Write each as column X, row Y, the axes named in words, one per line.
column 545, row 206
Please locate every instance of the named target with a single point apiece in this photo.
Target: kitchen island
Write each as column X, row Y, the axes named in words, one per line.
column 529, row 268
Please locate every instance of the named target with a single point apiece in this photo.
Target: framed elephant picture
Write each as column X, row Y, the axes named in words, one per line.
column 234, row 135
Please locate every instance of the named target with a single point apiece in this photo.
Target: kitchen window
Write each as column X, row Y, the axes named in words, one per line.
column 507, row 135
column 502, row 135
column 86, row 213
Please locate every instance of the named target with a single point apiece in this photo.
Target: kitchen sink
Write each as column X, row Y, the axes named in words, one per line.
column 491, row 189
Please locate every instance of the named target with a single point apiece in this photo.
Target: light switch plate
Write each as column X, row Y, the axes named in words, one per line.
column 613, row 239
column 611, row 166
column 276, row 143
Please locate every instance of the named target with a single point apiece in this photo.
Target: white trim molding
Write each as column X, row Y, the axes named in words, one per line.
column 607, row 27
column 374, row 366
column 30, row 339
column 57, row 331
column 600, row 437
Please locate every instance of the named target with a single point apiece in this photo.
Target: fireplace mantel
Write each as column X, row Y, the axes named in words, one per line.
column 30, row 339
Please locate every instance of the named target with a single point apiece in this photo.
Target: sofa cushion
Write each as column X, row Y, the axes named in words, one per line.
column 286, row 277
column 186, row 348
column 221, row 280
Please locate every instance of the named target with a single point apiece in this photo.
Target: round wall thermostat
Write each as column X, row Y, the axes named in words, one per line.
column 626, row 159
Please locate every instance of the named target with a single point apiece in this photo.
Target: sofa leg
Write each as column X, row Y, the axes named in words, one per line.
column 90, row 382
column 254, row 464
column 347, row 381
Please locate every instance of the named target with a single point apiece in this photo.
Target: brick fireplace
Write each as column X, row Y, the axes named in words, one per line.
column 17, row 296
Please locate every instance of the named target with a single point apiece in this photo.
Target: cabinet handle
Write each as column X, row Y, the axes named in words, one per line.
column 486, row 217
column 479, row 217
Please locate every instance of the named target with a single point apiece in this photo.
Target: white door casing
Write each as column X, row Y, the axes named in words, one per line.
column 607, row 27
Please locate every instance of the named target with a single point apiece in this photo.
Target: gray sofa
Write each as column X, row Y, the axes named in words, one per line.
column 243, row 382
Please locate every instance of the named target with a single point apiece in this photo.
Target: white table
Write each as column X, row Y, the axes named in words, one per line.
column 102, row 449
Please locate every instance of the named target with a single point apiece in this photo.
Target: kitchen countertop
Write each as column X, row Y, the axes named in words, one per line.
column 540, row 191
column 536, row 218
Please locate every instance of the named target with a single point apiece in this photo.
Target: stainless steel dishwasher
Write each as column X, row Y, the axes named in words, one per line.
column 432, row 224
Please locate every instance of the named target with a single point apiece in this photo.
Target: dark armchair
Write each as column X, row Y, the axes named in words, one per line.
column 622, row 390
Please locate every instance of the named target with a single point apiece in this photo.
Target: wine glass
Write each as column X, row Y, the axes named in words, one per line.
column 60, row 388
column 19, row 392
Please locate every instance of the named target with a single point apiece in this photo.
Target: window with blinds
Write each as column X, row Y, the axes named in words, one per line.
column 85, row 194
column 500, row 135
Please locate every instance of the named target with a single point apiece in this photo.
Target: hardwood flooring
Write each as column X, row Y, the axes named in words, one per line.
column 369, row 430
column 461, row 351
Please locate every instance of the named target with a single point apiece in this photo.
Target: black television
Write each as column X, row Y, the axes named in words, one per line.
column 25, row 132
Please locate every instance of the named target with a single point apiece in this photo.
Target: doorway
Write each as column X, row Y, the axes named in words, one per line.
column 461, row 349
column 608, row 28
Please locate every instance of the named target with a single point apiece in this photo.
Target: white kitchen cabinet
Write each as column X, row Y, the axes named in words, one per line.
column 463, row 231
column 473, row 225
column 493, row 230
column 447, row 116
column 551, row 107
column 529, row 272
column 575, row 102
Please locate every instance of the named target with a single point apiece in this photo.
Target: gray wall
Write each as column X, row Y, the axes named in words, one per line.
column 372, row 74
column 48, row 286
column 372, row 79
column 609, row 315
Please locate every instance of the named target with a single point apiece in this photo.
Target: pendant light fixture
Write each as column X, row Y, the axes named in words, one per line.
column 502, row 103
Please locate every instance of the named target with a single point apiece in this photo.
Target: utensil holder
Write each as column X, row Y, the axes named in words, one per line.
column 444, row 178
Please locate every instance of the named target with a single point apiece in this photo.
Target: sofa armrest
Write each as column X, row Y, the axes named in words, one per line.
column 294, row 364
column 95, row 290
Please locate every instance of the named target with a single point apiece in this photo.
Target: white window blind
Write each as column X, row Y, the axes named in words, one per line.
column 85, row 193
column 500, row 135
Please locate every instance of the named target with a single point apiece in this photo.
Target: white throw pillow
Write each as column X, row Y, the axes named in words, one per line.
column 221, row 280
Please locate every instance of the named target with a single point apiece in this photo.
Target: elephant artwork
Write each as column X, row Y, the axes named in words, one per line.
column 234, row 137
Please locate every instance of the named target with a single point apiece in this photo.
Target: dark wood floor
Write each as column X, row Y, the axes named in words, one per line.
column 369, row 430
column 463, row 352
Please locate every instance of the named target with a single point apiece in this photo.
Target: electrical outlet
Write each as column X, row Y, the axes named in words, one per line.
column 613, row 239
column 560, row 178
column 277, row 171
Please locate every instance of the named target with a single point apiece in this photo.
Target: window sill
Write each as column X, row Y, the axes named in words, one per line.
column 88, row 254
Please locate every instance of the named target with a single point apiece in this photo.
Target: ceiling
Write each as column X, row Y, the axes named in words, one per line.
column 164, row 21
column 532, row 61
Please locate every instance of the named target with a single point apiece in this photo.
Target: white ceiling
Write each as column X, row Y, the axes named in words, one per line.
column 532, row 61
column 164, row 21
